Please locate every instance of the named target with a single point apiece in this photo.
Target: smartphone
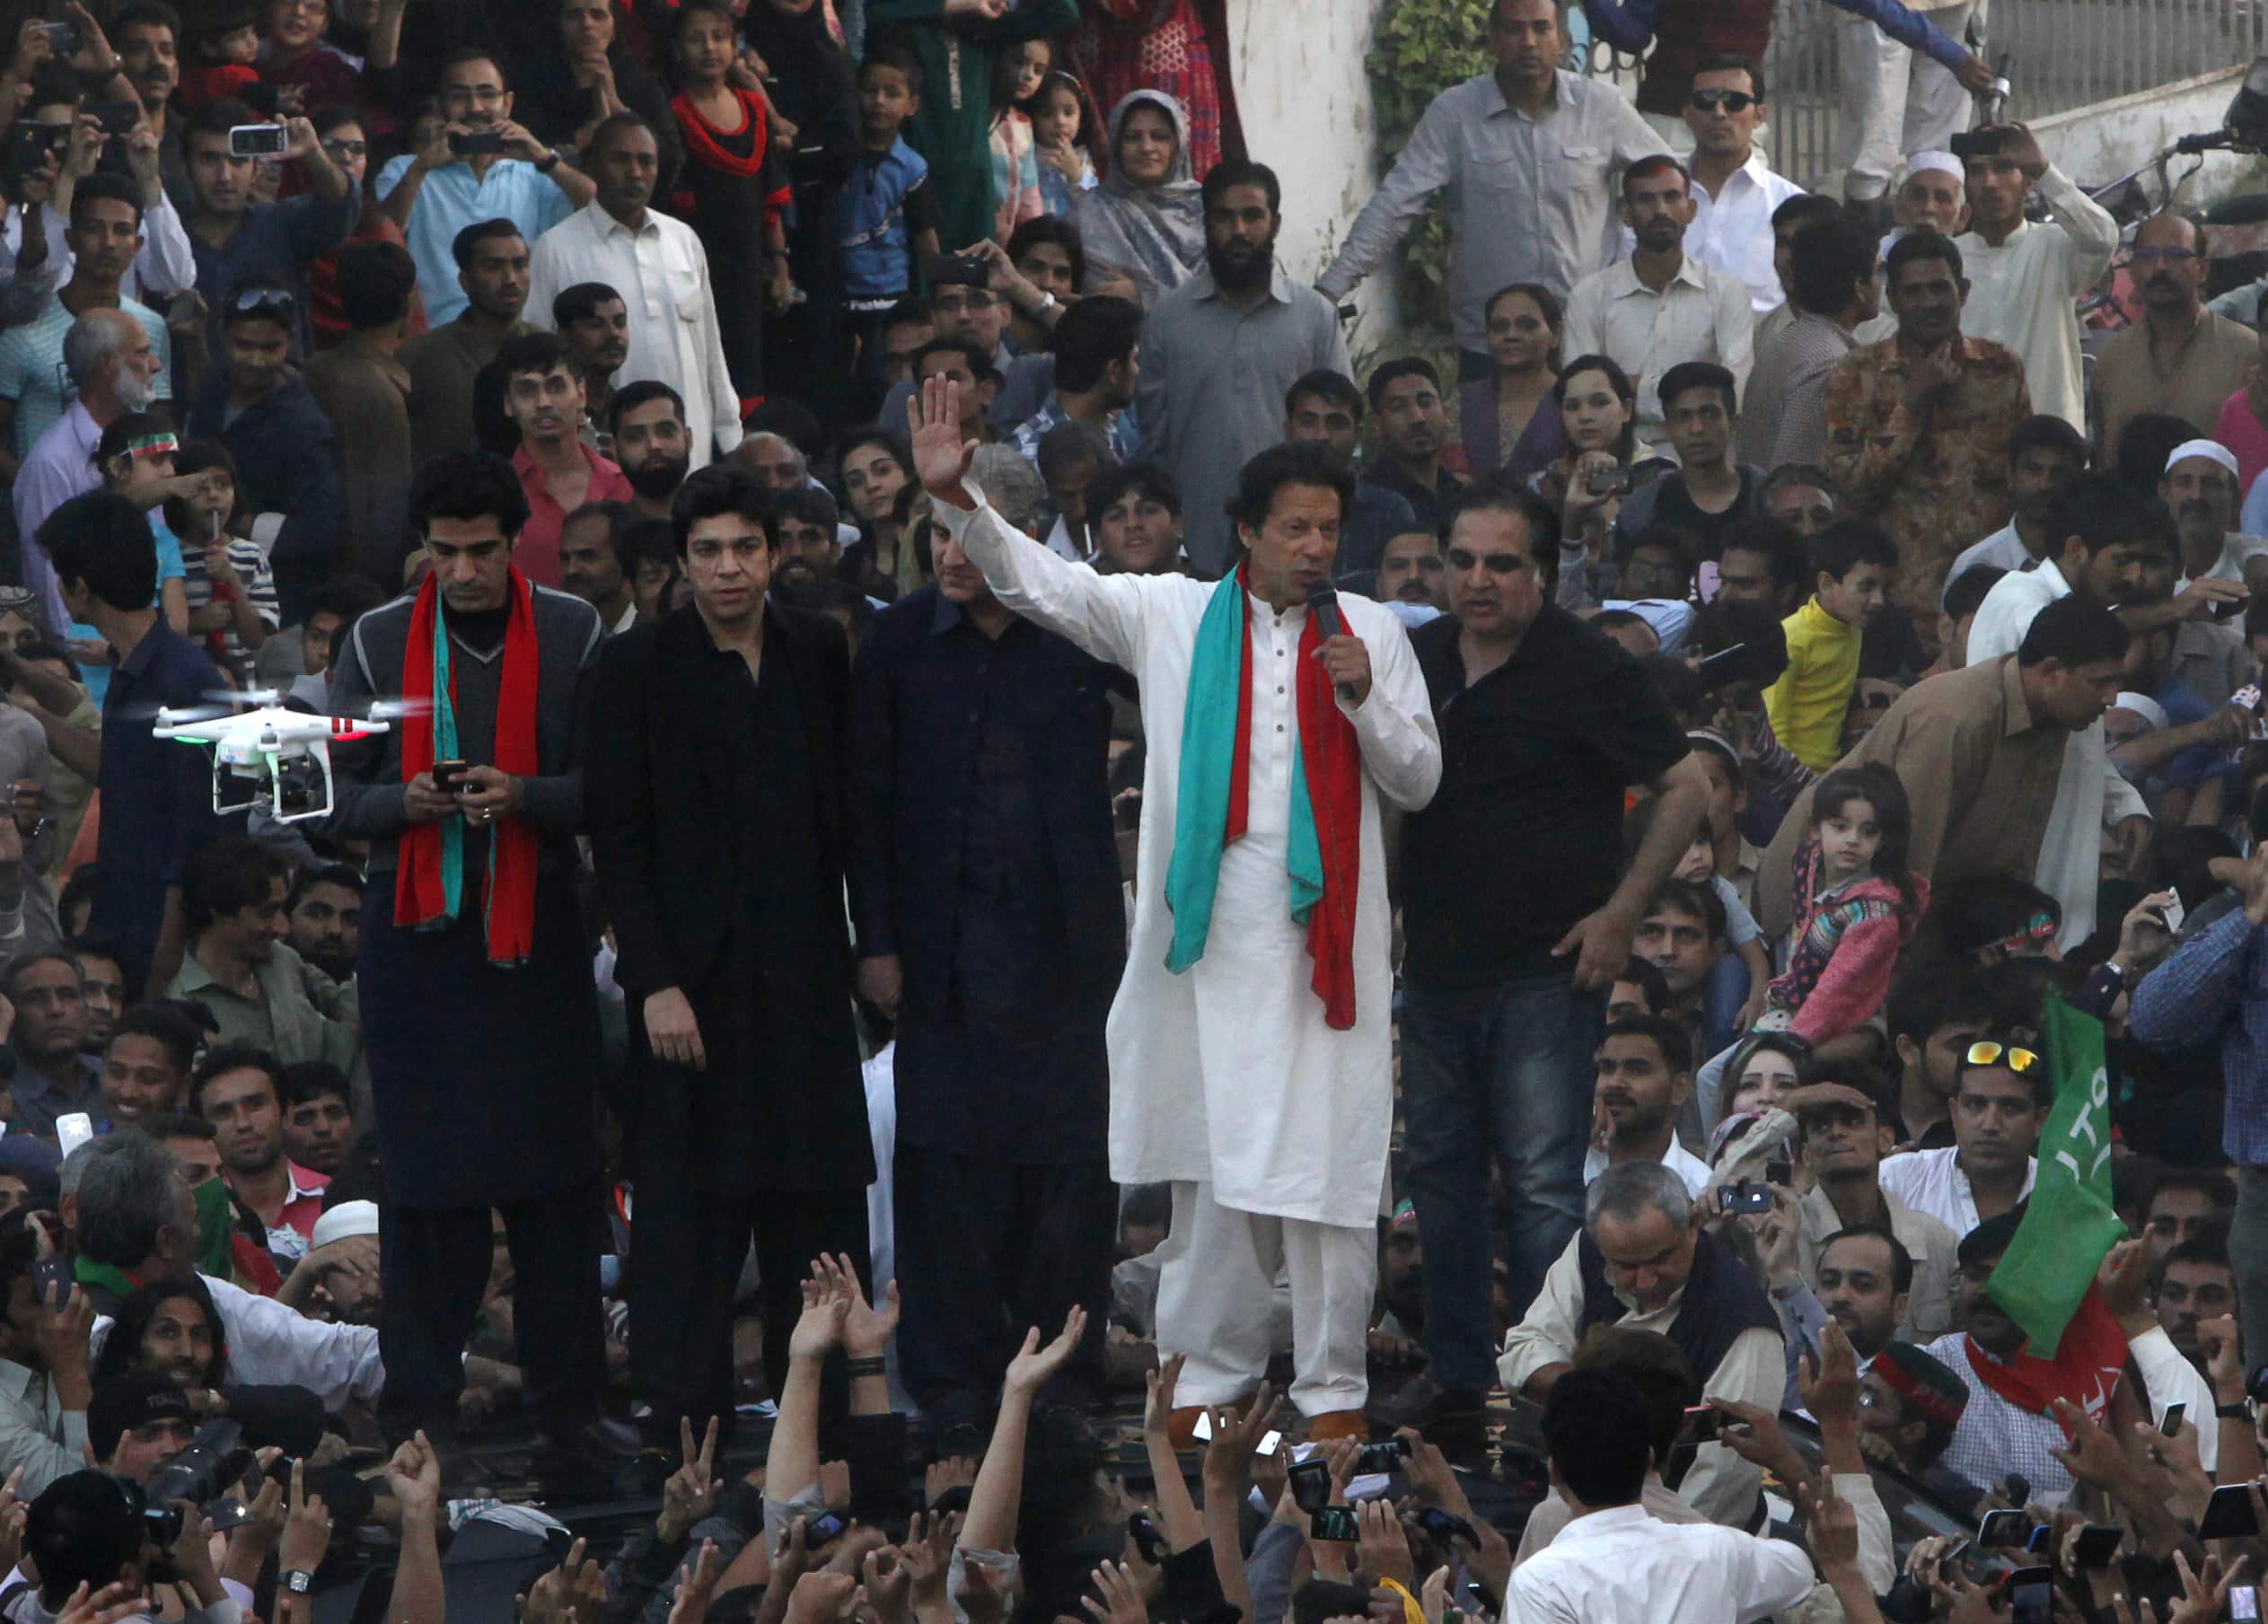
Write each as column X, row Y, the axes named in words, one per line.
column 447, row 778
column 2173, row 914
column 823, row 1530
column 1608, row 482
column 968, row 269
column 116, row 117
column 1446, row 1525
column 2032, row 1593
column 2097, row 1544
column 2172, row 1425
column 72, row 1130
column 1746, row 1196
column 29, row 144
column 1332, row 1522
column 1704, row 1423
column 2229, row 1514
column 1950, row 1563
column 1976, row 143
column 2002, row 1528
column 476, row 143
column 2038, row 1543
column 62, row 38
column 1727, row 664
column 2244, row 1603
column 51, row 1280
column 1268, row 1446
column 1146, row 1537
column 257, row 140
column 1310, row 1483
column 1380, row 1458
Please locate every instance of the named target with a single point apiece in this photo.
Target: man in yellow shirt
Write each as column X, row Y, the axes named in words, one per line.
column 1852, row 564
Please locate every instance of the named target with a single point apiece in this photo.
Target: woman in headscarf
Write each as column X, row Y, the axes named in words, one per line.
column 1147, row 222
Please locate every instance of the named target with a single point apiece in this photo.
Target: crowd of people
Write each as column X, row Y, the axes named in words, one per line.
column 939, row 820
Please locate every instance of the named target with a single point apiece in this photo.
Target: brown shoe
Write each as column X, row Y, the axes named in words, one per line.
column 1337, row 1424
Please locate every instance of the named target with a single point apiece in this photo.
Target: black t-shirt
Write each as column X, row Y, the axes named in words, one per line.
column 1675, row 505
column 1525, row 836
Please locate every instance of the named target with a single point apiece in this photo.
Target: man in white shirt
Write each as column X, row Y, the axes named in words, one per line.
column 2107, row 535
column 1614, row 1563
column 1644, row 1074
column 1734, row 191
column 2024, row 277
column 1661, row 306
column 2000, row 1100
column 1644, row 1260
column 2045, row 455
column 658, row 266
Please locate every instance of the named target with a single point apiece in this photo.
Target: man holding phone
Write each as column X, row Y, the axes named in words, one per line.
column 43, row 1359
column 238, row 240
column 473, row 978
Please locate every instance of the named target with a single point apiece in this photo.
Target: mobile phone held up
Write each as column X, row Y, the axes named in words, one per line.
column 1335, row 1523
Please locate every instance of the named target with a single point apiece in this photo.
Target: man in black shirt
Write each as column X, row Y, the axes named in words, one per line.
column 1709, row 496
column 1515, row 920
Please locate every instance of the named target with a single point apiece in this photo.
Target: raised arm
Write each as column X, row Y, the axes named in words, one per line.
column 791, row 1466
column 1103, row 614
column 1424, row 166
column 996, row 1500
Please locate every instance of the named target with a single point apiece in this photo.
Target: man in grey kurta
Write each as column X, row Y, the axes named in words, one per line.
column 1216, row 362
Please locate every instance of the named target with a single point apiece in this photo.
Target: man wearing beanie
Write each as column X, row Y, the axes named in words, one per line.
column 138, row 1421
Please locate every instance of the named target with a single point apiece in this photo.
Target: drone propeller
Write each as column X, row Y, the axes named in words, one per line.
column 398, row 710
column 173, row 713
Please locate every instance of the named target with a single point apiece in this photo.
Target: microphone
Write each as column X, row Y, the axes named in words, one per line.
column 1323, row 604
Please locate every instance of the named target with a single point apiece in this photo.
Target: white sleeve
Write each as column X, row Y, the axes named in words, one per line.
column 1103, row 614
column 2093, row 233
column 1720, row 1484
column 166, row 263
column 268, row 1344
column 1549, row 1334
column 2174, row 1380
column 1877, row 1560
column 1775, row 1577
column 1394, row 725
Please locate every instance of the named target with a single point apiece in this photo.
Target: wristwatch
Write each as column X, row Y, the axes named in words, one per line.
column 1048, row 301
column 2233, row 1412
column 548, row 162
column 299, row 1581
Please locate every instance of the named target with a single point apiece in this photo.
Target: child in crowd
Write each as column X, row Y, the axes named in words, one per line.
column 887, row 220
column 218, row 53
column 1063, row 141
column 1856, row 904
column 1852, row 564
column 1015, row 168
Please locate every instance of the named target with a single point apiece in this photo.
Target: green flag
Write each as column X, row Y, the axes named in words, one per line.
column 2070, row 1224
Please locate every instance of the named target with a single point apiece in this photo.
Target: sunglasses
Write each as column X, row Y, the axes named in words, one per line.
column 261, row 298
column 1986, row 1052
column 1731, row 101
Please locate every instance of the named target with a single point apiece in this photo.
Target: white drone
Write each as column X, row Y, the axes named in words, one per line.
column 271, row 757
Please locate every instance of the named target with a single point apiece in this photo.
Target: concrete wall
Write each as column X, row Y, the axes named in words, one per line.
column 2098, row 144
column 1305, row 105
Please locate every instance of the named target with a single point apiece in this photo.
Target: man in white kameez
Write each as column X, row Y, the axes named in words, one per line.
column 1249, row 1042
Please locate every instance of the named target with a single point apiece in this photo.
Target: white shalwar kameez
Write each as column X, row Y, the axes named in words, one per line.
column 1226, row 1082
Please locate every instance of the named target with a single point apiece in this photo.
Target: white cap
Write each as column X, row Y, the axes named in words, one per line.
column 2212, row 451
column 344, row 1222
column 1944, row 162
column 2148, row 709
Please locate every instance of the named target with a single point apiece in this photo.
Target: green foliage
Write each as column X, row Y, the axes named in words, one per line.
column 1422, row 48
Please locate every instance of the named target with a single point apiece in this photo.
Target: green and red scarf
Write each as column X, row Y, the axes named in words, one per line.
column 430, row 888
column 1324, row 855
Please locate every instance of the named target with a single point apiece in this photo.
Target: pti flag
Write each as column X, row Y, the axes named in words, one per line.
column 2045, row 1280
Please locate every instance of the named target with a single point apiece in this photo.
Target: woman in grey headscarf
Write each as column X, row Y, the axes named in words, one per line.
column 1146, row 221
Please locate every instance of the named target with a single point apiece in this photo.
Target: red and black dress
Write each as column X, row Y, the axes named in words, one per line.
column 730, row 191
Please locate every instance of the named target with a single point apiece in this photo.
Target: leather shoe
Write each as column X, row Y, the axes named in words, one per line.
column 1432, row 1409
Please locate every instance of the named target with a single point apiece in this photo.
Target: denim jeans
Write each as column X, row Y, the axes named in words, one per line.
column 1504, row 1070
column 2248, row 1253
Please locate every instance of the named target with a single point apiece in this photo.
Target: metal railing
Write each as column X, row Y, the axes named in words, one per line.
column 2063, row 54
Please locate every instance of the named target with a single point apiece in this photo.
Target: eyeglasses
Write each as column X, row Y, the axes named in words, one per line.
column 346, row 149
column 1986, row 1052
column 1731, row 101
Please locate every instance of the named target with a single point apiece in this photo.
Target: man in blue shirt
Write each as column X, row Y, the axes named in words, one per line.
column 238, row 240
column 157, row 795
column 479, row 166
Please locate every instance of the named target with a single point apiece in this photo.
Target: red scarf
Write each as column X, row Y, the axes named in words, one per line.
column 702, row 146
column 1333, row 759
column 2088, row 1364
column 428, row 884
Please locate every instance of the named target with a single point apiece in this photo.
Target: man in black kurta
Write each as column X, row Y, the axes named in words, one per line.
column 716, row 807
column 992, row 926
column 483, row 1073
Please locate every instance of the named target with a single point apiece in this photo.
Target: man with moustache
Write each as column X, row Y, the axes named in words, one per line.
column 597, row 325
column 1411, row 571
column 1842, row 1144
column 492, row 271
column 2199, row 487
column 991, row 929
column 1325, row 408
column 543, row 392
column 2180, row 357
column 1220, row 351
column 809, row 552
column 1413, row 430
column 1645, row 1073
column 647, row 421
